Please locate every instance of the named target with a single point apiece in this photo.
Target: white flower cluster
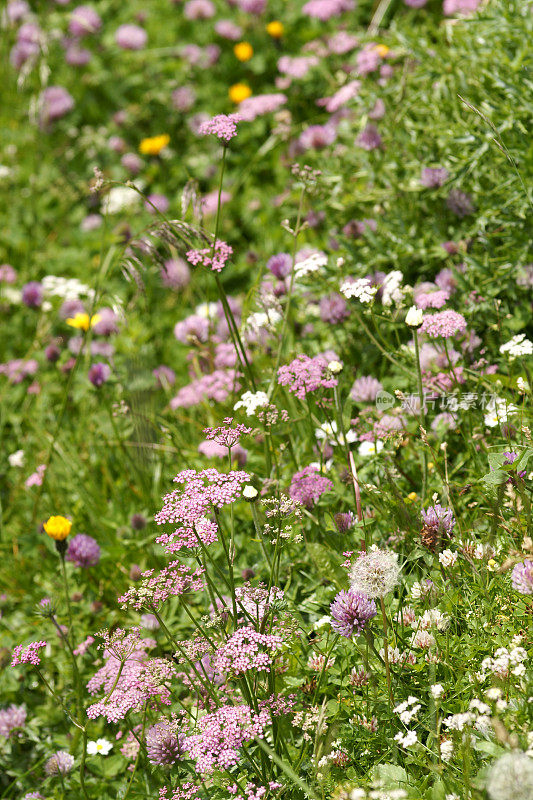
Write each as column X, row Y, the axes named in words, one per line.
column 251, row 401
column 359, row 288
column 447, row 558
column 263, row 321
column 407, row 739
column 408, row 709
column 446, row 751
column 504, row 663
column 313, row 263
column 120, row 198
column 67, row 288
column 517, row 346
column 392, row 288
column 329, row 431
column 433, row 618
column 498, row 411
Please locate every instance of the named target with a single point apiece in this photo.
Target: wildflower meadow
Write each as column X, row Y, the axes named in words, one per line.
column 265, row 400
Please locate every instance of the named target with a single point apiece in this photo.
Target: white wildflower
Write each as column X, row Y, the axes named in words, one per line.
column 251, row 401
column 517, row 346
column 360, row 288
column 447, row 558
column 370, row 448
column 414, row 317
column 100, row 747
column 437, row 690
column 16, row 459
column 375, row 573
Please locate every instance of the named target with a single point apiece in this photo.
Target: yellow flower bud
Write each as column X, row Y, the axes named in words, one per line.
column 154, row 144
column 243, row 51
column 58, row 528
column 275, row 29
column 239, row 92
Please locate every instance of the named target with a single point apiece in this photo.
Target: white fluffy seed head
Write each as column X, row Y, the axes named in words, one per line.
column 375, row 573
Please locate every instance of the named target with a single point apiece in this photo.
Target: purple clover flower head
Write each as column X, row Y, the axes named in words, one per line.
column 175, row 273
column 163, row 744
column 61, row 762
column 460, row 203
column 439, row 519
column 83, row 551
column 132, row 163
column 280, row 265
column 77, row 56
column 365, row 389
column 17, row 10
column 344, row 521
column 11, row 719
column 433, row 177
column 131, row 37
column 350, row 612
column 415, row 3
column 7, row 273
column 157, row 203
column 138, row 522
column 522, row 577
column 164, row 376
column 107, row 322
column 83, row 21
column 55, row 103
column 99, row 373
column 32, row 294
column 308, row 485
column 369, row 138
column 333, row 309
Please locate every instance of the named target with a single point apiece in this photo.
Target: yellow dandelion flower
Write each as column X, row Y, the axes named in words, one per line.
column 411, row 497
column 154, row 144
column 239, row 92
column 275, row 29
column 58, row 528
column 381, row 50
column 83, row 321
column 243, row 51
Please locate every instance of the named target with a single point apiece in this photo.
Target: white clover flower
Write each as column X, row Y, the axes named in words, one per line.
column 313, row 263
column 335, row 367
column 370, row 448
column 448, row 558
column 423, row 639
column 16, row 459
column 408, row 739
column 375, row 573
column 100, row 747
column 433, row 618
column 517, row 346
column 359, row 288
column 414, row 317
column 446, row 752
column 251, row 401
column 437, row 690
column 511, row 777
column 522, row 385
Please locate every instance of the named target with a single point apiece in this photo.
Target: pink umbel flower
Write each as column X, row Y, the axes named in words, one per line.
column 216, row 259
column 308, row 485
column 226, row 435
column 304, row 375
column 216, row 386
column 224, row 126
column 28, row 654
column 221, row 735
column 247, row 649
column 260, row 104
column 443, row 324
column 172, row 581
column 129, row 678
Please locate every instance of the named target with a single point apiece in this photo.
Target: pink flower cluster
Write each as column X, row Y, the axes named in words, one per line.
column 222, row 733
column 217, row 386
column 253, row 792
column 223, row 126
column 28, row 654
column 247, row 649
column 260, row 104
column 326, row 9
column 190, row 505
column 226, row 435
column 308, row 485
column 444, row 323
column 305, row 374
column 128, row 684
column 187, row 791
column 172, row 581
column 211, row 257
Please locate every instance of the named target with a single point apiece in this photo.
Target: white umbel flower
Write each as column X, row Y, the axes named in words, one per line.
column 375, row 573
column 251, row 401
column 361, row 289
column 517, row 346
